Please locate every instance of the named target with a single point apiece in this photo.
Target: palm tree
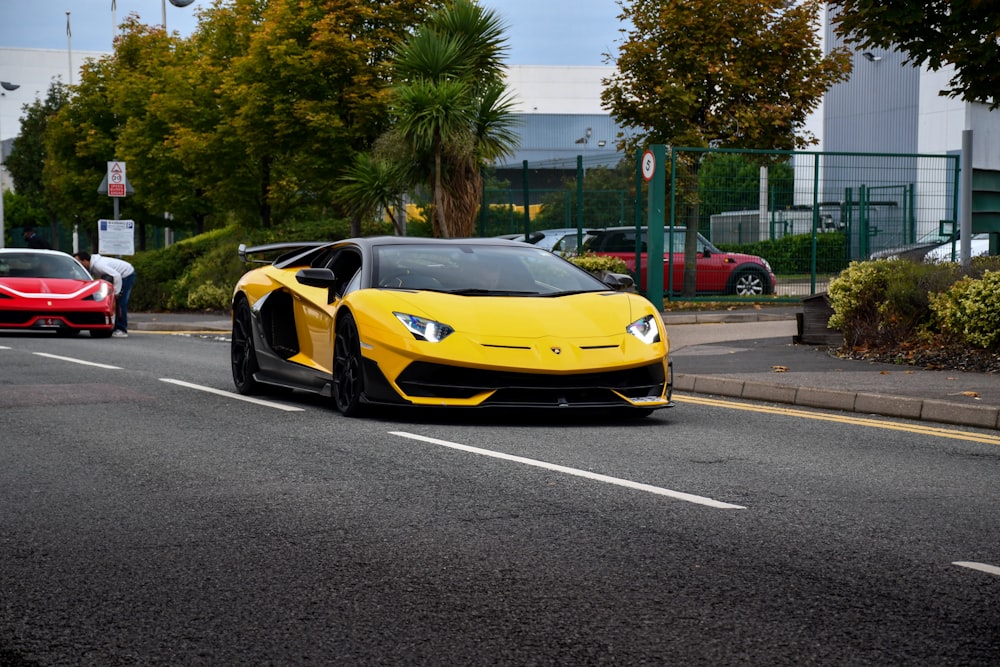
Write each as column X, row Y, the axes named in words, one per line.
column 453, row 109
column 372, row 186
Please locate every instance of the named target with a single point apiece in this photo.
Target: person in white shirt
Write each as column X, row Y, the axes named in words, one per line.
column 122, row 275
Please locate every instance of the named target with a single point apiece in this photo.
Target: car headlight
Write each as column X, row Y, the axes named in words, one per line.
column 645, row 330
column 102, row 292
column 425, row 329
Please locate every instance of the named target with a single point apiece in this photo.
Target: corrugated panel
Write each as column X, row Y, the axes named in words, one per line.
column 877, row 109
column 559, row 138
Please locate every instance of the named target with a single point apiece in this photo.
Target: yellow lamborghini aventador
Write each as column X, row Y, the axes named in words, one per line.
column 434, row 322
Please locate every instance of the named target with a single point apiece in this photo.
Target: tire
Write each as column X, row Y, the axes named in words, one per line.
column 348, row 379
column 750, row 282
column 242, row 350
column 101, row 333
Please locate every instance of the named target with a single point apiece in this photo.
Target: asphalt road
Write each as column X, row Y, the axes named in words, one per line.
column 148, row 516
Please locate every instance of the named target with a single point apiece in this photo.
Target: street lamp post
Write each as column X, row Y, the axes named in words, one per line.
column 175, row 3
column 5, row 86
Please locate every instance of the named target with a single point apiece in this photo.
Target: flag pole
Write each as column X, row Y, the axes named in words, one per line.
column 69, row 48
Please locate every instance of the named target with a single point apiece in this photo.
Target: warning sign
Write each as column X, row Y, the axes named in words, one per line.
column 116, row 179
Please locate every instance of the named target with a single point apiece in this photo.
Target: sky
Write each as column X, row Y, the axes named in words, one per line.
column 540, row 32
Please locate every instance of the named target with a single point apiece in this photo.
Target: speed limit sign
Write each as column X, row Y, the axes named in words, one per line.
column 648, row 165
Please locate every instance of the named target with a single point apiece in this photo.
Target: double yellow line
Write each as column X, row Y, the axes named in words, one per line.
column 844, row 419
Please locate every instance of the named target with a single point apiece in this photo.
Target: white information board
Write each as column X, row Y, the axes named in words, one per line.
column 116, row 237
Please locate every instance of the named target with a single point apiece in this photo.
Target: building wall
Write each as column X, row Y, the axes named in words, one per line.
column 547, row 89
column 34, row 71
column 555, row 140
column 876, row 109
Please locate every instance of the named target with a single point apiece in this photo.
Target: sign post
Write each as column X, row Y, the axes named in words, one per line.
column 116, row 182
column 652, row 172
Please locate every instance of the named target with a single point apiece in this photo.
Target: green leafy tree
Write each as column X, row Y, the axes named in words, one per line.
column 214, row 172
column 108, row 116
column 31, row 206
column 308, row 93
column 144, row 60
column 961, row 33
column 80, row 138
column 742, row 74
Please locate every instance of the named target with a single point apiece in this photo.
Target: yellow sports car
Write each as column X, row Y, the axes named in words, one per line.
column 435, row 322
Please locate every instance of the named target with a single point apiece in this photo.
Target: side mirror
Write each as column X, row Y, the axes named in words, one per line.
column 618, row 281
column 319, row 278
column 316, row 277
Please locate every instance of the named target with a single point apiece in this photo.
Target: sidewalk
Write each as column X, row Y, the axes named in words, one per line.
column 750, row 354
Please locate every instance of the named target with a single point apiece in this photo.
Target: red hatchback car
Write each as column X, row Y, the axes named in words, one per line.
column 47, row 290
column 718, row 272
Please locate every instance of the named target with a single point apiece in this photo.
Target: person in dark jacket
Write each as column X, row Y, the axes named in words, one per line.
column 33, row 240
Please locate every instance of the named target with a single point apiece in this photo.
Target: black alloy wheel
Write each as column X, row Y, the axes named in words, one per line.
column 244, row 356
column 348, row 381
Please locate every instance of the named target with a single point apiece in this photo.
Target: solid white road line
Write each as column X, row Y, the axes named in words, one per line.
column 229, row 394
column 982, row 567
column 700, row 500
column 76, row 361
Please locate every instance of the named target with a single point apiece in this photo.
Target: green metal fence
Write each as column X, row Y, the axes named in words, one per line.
column 808, row 214
column 61, row 237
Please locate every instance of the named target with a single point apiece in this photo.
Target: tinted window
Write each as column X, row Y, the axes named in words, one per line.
column 454, row 268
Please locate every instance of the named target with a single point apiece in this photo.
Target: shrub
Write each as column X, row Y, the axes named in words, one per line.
column 598, row 263
column 968, row 312
column 885, row 302
column 793, row 254
column 177, row 277
column 209, row 296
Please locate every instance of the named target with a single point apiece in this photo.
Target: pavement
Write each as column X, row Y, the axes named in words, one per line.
column 752, row 354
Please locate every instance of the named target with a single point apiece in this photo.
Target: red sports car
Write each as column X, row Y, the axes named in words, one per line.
column 47, row 290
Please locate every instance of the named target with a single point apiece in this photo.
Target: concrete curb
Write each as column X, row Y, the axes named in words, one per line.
column 922, row 409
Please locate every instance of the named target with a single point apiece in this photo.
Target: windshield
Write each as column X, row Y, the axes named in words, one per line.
column 41, row 265
column 480, row 270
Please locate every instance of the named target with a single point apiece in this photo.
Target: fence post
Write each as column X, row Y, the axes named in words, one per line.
column 527, row 197
column 655, row 228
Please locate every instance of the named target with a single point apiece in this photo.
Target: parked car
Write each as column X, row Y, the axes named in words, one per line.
column 718, row 272
column 47, row 290
column 949, row 252
column 562, row 240
column 569, row 245
column 473, row 323
column 935, row 248
column 915, row 251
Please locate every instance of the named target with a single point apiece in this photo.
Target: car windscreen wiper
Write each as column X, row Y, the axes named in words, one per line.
column 478, row 291
column 578, row 291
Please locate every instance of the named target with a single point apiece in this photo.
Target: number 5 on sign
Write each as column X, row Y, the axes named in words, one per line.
column 648, row 165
